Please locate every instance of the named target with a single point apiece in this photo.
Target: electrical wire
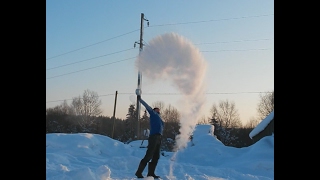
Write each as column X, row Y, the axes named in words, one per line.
column 225, row 19
column 93, row 44
column 165, row 94
column 89, row 59
column 90, row 68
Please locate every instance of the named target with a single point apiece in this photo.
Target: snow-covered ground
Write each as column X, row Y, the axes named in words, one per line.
column 86, row 156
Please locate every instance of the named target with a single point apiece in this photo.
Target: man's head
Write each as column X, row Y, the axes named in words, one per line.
column 156, row 110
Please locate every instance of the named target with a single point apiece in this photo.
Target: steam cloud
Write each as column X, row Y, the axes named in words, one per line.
column 172, row 57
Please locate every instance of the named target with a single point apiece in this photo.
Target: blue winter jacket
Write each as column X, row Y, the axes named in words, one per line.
column 156, row 123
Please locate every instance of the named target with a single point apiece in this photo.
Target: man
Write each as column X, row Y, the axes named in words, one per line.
column 154, row 141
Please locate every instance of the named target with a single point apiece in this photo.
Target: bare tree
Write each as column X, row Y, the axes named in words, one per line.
column 158, row 104
column 170, row 114
column 226, row 114
column 66, row 108
column 266, row 104
column 252, row 123
column 203, row 120
column 86, row 107
column 225, row 119
column 171, row 117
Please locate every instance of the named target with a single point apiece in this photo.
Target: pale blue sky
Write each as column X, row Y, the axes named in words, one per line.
column 236, row 39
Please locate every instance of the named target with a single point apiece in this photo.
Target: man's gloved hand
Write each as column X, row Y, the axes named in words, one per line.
column 138, row 92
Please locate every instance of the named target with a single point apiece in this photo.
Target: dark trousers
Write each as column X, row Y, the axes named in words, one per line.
column 153, row 154
column 153, row 151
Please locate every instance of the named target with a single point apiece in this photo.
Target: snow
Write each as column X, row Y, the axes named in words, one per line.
column 86, row 156
column 263, row 124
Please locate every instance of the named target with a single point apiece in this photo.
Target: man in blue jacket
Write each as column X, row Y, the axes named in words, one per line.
column 154, row 141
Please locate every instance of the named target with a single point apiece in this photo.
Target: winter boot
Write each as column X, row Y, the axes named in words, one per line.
column 141, row 167
column 151, row 168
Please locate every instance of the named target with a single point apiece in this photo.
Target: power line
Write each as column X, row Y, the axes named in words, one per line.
column 91, row 68
column 225, row 19
column 236, row 41
column 146, row 44
column 80, row 98
column 88, row 59
column 135, row 57
column 239, row 50
column 244, row 17
column 93, row 44
column 259, row 92
column 204, row 93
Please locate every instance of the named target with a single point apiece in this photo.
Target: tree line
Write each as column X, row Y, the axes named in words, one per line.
column 83, row 115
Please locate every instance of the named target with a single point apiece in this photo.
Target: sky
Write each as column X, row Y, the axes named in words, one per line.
column 194, row 54
column 86, row 156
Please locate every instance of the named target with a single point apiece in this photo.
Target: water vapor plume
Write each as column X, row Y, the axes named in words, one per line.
column 174, row 58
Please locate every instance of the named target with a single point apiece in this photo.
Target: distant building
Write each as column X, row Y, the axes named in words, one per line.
column 264, row 128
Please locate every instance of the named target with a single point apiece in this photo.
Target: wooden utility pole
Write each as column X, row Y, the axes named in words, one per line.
column 140, row 75
column 114, row 112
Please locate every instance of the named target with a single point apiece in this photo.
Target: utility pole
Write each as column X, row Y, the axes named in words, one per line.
column 114, row 112
column 139, row 74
